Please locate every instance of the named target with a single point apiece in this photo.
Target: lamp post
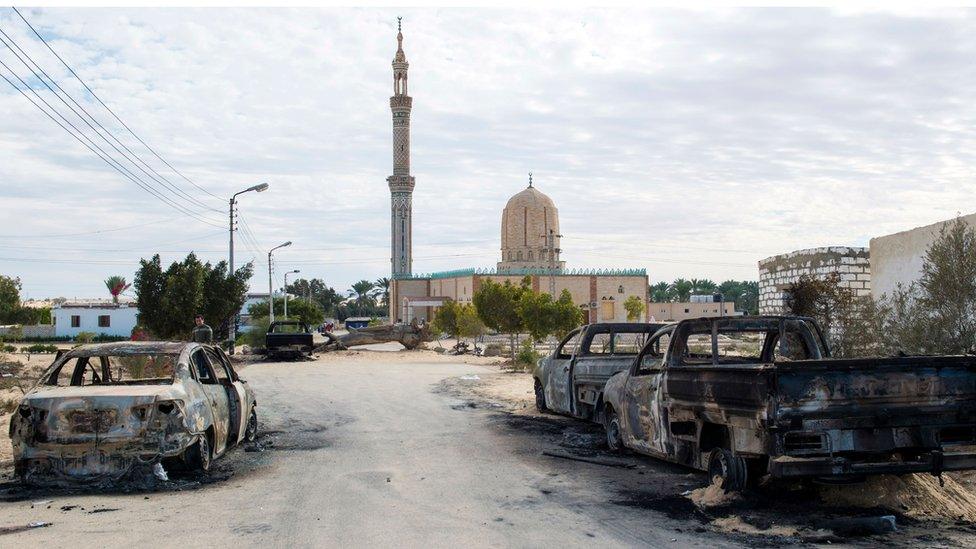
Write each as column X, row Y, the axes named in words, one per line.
column 260, row 188
column 286, row 290
column 270, row 288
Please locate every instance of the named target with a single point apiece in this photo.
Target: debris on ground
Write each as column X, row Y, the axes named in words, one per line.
column 712, row 495
column 917, row 495
column 605, row 463
column 28, row 526
column 160, row 472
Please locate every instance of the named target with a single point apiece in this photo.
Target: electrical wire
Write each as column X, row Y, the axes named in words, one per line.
column 102, row 103
column 95, row 148
column 158, row 178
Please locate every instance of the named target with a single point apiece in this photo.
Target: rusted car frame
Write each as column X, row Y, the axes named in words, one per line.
column 570, row 380
column 99, row 410
column 788, row 409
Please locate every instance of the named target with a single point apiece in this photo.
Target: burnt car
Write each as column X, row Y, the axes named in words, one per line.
column 99, row 410
column 288, row 338
column 570, row 381
column 751, row 397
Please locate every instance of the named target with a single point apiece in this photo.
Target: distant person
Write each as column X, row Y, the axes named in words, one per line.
column 202, row 333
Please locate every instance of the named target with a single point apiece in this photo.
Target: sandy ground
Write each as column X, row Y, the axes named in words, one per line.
column 411, row 449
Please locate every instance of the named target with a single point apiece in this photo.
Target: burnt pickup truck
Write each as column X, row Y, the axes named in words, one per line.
column 750, row 397
column 288, row 338
column 570, row 381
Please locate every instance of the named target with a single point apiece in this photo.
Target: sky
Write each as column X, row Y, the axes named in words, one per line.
column 689, row 143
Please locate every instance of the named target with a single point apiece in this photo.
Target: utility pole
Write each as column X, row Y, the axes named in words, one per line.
column 286, row 290
column 270, row 287
column 261, row 187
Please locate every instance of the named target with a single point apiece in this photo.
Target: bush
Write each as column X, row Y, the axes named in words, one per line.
column 40, row 348
column 85, row 337
column 7, row 348
column 256, row 332
column 526, row 357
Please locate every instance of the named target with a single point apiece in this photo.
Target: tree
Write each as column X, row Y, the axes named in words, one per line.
column 680, row 290
column 309, row 313
column 362, row 291
column 660, row 292
column 168, row 300
column 702, row 286
column 497, row 307
column 9, row 299
column 458, row 320
column 116, row 285
column 326, row 297
column 383, row 291
column 634, row 306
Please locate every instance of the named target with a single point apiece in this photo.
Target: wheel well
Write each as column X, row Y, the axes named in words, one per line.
column 713, row 435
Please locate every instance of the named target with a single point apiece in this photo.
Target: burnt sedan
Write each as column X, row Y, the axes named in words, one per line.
column 99, row 410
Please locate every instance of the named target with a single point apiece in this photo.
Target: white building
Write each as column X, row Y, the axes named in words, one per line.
column 98, row 317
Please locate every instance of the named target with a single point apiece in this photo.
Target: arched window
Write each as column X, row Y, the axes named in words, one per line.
column 519, row 256
column 530, row 255
column 620, row 289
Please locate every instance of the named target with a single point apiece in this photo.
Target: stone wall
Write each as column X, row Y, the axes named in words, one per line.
column 778, row 272
column 897, row 258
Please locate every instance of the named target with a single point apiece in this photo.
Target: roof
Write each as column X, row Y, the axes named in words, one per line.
column 132, row 348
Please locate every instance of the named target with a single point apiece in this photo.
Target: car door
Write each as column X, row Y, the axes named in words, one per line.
column 645, row 418
column 558, row 386
column 216, row 396
column 236, row 399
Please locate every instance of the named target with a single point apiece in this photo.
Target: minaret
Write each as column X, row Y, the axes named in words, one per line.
column 401, row 182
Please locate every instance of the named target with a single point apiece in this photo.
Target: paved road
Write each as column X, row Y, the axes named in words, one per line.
column 369, row 454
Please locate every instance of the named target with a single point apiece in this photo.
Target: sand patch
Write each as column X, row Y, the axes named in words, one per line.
column 712, row 495
column 917, row 495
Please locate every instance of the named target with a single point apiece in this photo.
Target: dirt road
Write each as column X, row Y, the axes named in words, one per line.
column 388, row 452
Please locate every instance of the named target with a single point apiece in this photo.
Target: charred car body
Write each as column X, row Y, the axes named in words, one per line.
column 101, row 409
column 747, row 397
column 288, row 338
column 570, row 381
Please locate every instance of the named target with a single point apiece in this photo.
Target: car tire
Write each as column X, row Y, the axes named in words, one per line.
column 251, row 430
column 731, row 470
column 540, row 397
column 199, row 456
column 611, row 424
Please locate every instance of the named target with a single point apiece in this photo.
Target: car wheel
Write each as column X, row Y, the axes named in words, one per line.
column 251, row 431
column 199, row 456
column 731, row 470
column 615, row 440
column 540, row 397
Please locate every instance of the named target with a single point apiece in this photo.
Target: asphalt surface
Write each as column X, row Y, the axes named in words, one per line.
column 385, row 453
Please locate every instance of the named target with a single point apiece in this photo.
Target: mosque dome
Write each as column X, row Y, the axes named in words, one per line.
column 527, row 221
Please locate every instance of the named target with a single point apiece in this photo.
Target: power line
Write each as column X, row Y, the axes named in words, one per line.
column 36, row 67
column 100, row 231
column 104, row 156
column 102, row 103
column 170, row 187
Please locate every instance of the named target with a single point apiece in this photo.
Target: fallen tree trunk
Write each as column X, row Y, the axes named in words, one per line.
column 409, row 335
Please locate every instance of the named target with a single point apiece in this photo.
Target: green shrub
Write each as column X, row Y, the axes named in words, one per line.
column 7, row 348
column 85, row 337
column 526, row 357
column 40, row 348
column 256, row 332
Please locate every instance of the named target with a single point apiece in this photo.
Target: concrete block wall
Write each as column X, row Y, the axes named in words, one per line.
column 778, row 272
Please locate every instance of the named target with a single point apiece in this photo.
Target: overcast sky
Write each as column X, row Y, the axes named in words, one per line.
column 690, row 143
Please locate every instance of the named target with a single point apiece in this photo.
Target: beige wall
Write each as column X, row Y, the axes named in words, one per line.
column 661, row 312
column 603, row 293
column 897, row 258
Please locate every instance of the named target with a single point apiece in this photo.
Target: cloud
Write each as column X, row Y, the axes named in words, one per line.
column 692, row 143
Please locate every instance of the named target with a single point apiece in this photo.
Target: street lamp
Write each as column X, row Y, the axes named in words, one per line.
column 270, row 288
column 260, row 188
column 286, row 290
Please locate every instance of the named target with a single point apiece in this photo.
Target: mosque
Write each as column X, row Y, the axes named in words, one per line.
column 530, row 243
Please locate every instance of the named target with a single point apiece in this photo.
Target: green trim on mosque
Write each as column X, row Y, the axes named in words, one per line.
column 523, row 272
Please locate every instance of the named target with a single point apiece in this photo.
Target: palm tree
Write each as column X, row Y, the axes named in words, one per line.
column 383, row 290
column 702, row 286
column 116, row 285
column 659, row 292
column 681, row 290
column 362, row 291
